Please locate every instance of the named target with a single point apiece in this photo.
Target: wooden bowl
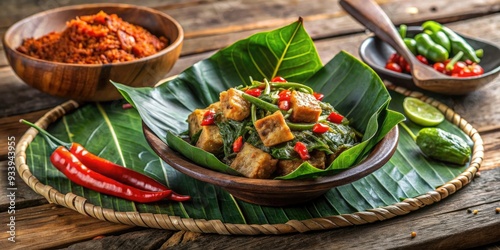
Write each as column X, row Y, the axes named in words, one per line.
column 92, row 82
column 276, row 192
column 375, row 52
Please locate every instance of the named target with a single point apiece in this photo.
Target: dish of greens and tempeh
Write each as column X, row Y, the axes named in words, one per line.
column 269, row 129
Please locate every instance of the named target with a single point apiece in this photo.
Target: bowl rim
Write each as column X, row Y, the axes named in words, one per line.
column 170, row 47
column 403, row 76
column 374, row 161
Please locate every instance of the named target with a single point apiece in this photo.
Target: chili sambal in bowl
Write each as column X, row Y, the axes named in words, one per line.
column 75, row 51
column 470, row 60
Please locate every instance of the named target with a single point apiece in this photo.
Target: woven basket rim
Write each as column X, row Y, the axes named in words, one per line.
column 163, row 221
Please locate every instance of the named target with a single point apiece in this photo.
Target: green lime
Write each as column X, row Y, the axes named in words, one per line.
column 422, row 113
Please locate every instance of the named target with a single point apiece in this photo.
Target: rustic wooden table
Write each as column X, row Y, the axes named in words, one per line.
column 210, row 25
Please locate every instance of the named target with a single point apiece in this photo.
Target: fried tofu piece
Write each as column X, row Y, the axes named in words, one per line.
column 196, row 117
column 233, row 105
column 254, row 163
column 210, row 139
column 305, row 107
column 273, row 129
column 284, row 167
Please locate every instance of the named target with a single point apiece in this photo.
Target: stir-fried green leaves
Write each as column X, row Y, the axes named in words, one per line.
column 349, row 86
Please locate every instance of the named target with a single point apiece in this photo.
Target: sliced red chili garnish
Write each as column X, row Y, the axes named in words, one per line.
column 318, row 96
column 254, row 92
column 208, row 118
column 285, row 95
column 278, row 79
column 301, row 149
column 284, row 105
column 476, row 69
column 320, row 128
column 335, row 117
column 238, row 144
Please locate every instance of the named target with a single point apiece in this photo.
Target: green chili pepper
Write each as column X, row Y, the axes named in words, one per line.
column 457, row 42
column 411, row 44
column 440, row 38
column 431, row 50
column 402, row 30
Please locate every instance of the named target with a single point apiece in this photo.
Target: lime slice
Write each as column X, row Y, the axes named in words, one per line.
column 422, row 113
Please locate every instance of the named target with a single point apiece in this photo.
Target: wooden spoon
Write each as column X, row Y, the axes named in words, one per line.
column 369, row 13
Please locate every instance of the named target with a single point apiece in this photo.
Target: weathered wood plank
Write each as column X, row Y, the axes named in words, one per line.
column 443, row 222
column 49, row 226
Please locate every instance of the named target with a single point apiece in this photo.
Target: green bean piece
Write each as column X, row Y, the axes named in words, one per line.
column 260, row 103
column 300, row 126
column 293, row 85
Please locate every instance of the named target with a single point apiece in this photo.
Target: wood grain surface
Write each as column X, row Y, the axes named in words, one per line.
column 211, row 25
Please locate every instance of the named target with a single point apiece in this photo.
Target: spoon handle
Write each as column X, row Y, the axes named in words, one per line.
column 369, row 13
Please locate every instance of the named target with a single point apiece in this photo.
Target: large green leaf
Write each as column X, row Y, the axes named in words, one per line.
column 116, row 134
column 351, row 86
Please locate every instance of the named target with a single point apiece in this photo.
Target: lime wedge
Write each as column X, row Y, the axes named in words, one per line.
column 422, row 113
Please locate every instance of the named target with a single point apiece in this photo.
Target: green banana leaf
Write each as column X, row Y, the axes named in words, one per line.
column 348, row 84
column 109, row 131
column 106, row 129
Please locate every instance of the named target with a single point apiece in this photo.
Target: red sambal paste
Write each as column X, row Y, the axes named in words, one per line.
column 95, row 39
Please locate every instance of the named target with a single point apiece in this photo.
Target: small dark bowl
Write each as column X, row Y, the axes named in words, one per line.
column 269, row 192
column 375, row 52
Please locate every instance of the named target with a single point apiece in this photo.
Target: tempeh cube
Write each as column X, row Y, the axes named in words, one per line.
column 196, row 117
column 273, row 129
column 210, row 139
column 305, row 107
column 254, row 163
column 284, row 167
column 233, row 105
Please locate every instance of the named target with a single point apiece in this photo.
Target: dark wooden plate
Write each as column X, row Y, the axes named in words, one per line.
column 375, row 52
column 276, row 192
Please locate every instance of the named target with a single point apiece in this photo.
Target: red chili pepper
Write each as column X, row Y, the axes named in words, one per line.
column 278, row 79
column 284, row 105
column 284, row 95
column 476, row 69
column 318, row 96
column 335, row 118
column 208, row 118
column 320, row 128
column 301, row 149
column 237, row 144
column 254, row 92
column 110, row 169
column 78, row 173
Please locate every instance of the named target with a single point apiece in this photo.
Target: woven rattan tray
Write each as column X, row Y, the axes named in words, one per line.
column 164, row 221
